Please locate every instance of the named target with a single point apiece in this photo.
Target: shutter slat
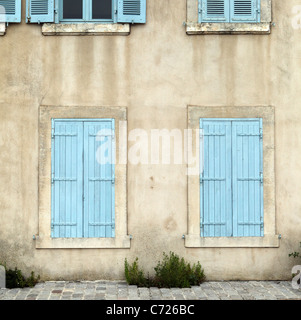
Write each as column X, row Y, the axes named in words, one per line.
column 40, row 11
column 67, row 181
column 10, row 11
column 131, row 11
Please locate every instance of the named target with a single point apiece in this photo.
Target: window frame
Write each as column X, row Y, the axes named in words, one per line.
column 43, row 237
column 87, row 14
column 193, row 237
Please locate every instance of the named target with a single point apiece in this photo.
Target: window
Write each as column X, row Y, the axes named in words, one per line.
column 228, row 17
column 82, row 193
column 79, row 11
column 229, row 11
column 231, row 178
column 83, row 177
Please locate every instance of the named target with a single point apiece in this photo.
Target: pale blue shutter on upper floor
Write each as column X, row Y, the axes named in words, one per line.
column 214, row 10
column 67, row 179
column 231, row 180
column 39, row 11
column 245, row 11
column 10, row 11
column 99, row 179
column 131, row 11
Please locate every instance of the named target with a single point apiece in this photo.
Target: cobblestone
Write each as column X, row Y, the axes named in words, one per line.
column 119, row 290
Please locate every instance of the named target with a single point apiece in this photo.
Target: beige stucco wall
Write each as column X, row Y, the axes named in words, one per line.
column 155, row 72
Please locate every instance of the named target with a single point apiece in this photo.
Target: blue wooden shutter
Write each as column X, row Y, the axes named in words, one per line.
column 39, row 11
column 67, row 179
column 10, row 11
column 245, row 11
column 99, row 179
column 214, row 11
column 215, row 178
column 131, row 11
column 247, row 178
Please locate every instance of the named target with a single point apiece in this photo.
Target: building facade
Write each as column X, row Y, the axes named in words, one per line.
column 132, row 128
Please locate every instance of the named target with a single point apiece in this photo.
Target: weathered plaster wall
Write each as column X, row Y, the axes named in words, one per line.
column 156, row 72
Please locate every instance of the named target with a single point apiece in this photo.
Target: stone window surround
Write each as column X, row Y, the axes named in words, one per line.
column 43, row 239
column 270, row 238
column 86, row 29
column 193, row 27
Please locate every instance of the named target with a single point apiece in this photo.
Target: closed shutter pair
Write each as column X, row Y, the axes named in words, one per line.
column 229, row 11
column 83, row 178
column 231, row 180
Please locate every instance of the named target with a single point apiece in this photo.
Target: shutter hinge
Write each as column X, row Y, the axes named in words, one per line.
column 200, row 8
column 52, row 132
column 113, row 224
column 260, row 133
column 261, row 177
column 52, row 178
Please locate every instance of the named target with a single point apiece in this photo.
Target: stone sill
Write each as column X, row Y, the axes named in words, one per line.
column 83, row 243
column 85, row 29
column 228, row 28
column 2, row 28
column 268, row 241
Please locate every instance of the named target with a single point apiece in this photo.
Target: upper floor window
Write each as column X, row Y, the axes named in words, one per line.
column 79, row 11
column 237, row 11
column 228, row 17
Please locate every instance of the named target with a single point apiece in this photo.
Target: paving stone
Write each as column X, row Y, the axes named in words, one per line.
column 119, row 290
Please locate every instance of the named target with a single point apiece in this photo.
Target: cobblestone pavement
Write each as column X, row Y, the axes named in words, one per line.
column 119, row 290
